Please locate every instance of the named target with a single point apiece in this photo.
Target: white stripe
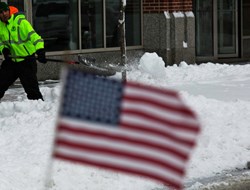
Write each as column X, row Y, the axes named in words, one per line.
column 119, row 161
column 136, row 120
column 162, row 98
column 121, row 146
column 159, row 112
column 151, row 138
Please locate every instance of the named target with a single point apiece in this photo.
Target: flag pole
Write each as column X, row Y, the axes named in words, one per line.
column 48, row 181
column 48, row 176
column 123, row 38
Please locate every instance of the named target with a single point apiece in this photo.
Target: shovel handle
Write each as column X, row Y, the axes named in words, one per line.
column 48, row 59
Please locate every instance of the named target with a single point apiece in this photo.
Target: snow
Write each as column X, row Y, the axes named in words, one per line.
column 185, row 45
column 167, row 14
column 218, row 93
column 147, row 65
column 178, row 14
column 189, row 14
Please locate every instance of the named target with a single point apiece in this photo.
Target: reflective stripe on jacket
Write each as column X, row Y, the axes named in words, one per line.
column 20, row 37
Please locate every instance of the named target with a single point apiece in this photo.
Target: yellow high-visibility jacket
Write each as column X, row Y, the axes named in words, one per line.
column 20, row 37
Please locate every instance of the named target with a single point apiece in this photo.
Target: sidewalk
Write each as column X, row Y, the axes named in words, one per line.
column 236, row 180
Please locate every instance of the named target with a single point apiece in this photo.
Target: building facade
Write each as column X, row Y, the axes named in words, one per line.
column 199, row 30
column 178, row 30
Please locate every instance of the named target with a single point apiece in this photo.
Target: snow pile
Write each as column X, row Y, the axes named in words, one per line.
column 218, row 93
column 153, row 65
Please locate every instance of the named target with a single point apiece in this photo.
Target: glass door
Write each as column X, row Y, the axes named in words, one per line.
column 204, row 28
column 227, row 28
column 246, row 28
column 216, row 28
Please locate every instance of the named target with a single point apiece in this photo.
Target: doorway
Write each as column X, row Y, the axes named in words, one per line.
column 227, row 28
column 217, row 28
column 245, row 28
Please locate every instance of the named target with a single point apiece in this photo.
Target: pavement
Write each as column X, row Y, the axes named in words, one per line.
column 230, row 180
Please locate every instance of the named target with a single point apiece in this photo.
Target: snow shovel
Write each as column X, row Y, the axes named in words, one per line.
column 91, row 62
column 85, row 61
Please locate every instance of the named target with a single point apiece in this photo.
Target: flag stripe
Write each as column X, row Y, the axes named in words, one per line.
column 154, row 118
column 152, row 89
column 162, row 133
column 159, row 112
column 122, row 131
column 155, row 176
column 122, row 138
column 120, row 153
column 124, row 162
column 159, row 104
column 153, row 104
column 148, row 124
column 128, row 163
column 121, row 146
column 131, row 89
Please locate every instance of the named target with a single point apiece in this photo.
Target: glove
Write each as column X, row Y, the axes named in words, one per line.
column 6, row 54
column 41, row 56
column 4, row 64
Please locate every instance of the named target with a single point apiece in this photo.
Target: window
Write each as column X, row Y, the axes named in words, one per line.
column 66, row 26
column 92, row 24
column 112, row 18
column 133, row 22
column 17, row 3
column 204, row 27
column 227, row 25
column 216, row 28
column 56, row 22
column 246, row 18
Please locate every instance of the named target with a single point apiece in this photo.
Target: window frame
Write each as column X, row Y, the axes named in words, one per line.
column 28, row 11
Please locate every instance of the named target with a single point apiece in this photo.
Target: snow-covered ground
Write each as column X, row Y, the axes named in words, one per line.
column 218, row 93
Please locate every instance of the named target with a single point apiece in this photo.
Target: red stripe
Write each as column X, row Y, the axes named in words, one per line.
column 156, row 90
column 181, row 110
column 159, row 132
column 120, row 168
column 124, row 139
column 117, row 153
column 173, row 124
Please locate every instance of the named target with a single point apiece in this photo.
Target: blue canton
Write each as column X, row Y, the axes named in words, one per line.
column 92, row 98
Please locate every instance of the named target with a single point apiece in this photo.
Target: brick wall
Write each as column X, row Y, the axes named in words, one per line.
column 158, row 6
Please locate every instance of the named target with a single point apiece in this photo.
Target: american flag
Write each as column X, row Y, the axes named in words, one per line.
column 126, row 127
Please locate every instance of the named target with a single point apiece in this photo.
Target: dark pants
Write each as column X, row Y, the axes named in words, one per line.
column 26, row 71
